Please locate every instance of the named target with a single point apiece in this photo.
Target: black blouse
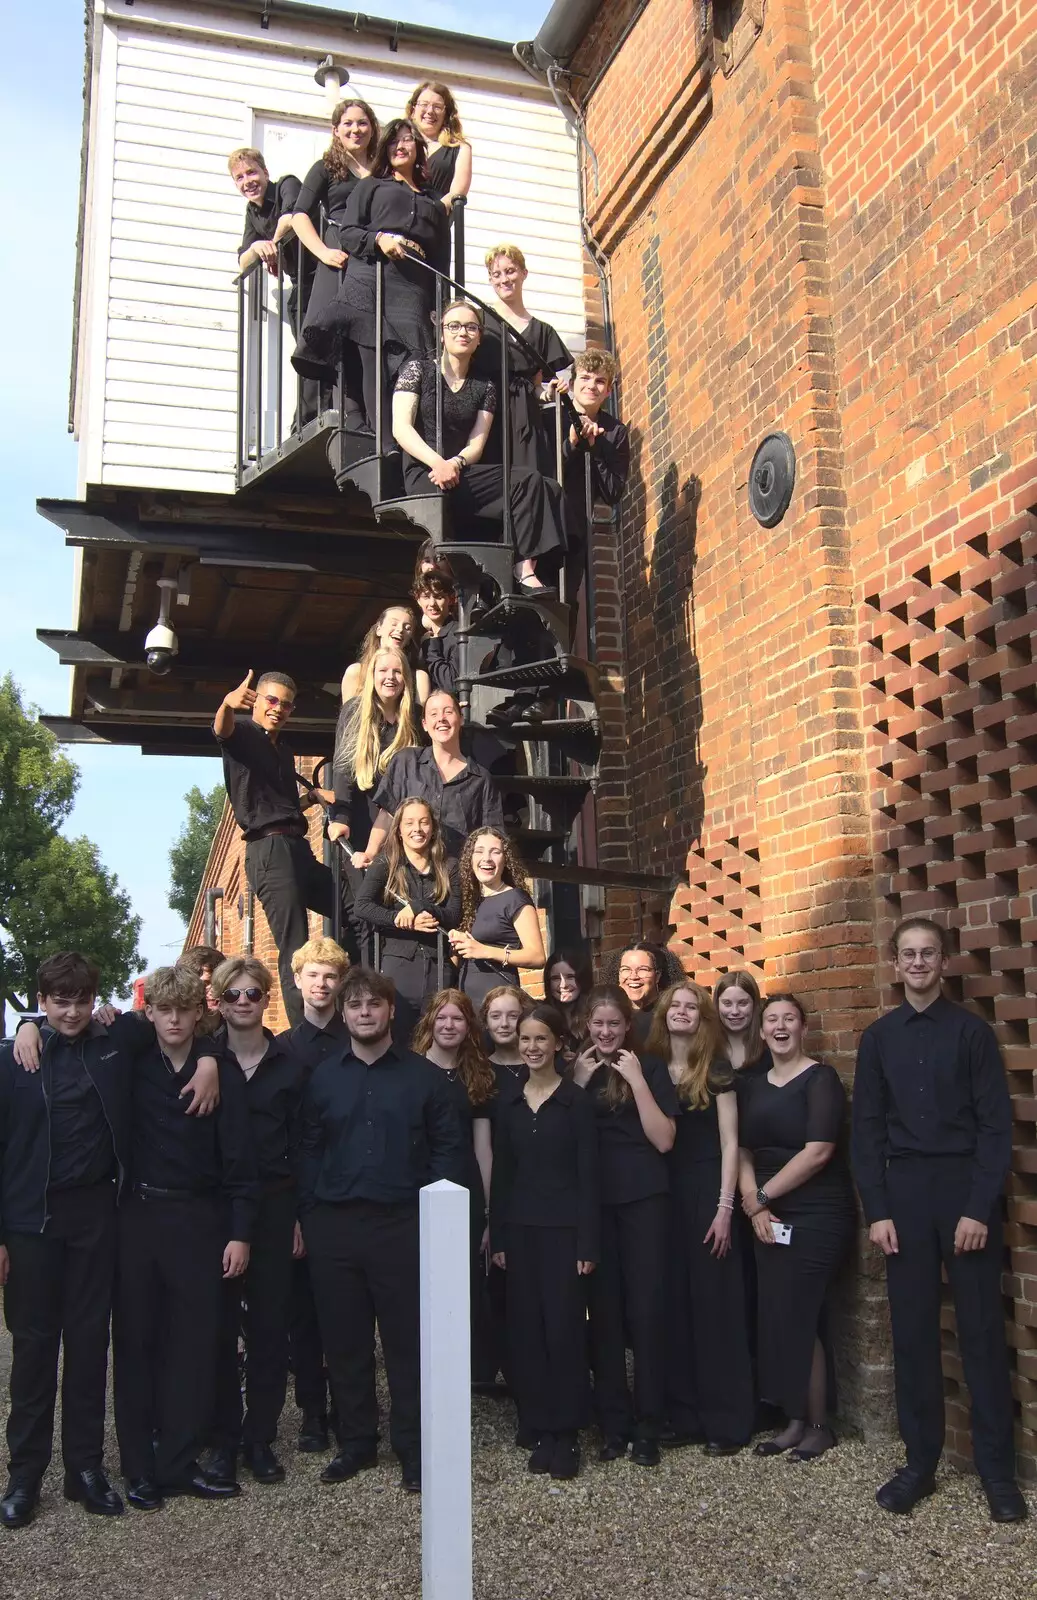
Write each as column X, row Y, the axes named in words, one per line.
column 374, row 906
column 440, row 167
column 382, row 205
column 552, row 355
column 545, row 1168
column 631, row 1167
column 460, row 406
column 776, row 1121
column 320, row 188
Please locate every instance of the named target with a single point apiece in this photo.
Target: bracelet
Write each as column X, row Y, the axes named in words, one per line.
column 725, row 1203
column 461, row 460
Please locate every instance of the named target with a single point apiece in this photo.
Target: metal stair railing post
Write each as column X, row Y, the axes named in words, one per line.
column 559, row 470
column 300, row 259
column 440, row 958
column 379, row 350
column 258, row 298
column 278, row 417
column 457, row 211
column 239, row 465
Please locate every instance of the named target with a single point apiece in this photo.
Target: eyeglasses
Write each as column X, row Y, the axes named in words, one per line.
column 637, row 972
column 253, row 994
column 275, row 704
column 921, row 958
column 469, row 328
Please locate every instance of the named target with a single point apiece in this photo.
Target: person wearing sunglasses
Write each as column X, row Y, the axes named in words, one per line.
column 263, row 789
column 451, row 463
column 932, row 1146
column 258, row 1304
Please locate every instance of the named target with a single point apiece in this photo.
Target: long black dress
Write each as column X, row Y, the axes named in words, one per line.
column 493, row 924
column 775, row 1122
column 709, row 1379
column 531, row 445
column 537, row 518
column 439, row 168
column 410, row 958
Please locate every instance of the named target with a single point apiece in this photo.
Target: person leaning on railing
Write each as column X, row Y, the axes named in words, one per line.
column 528, row 368
column 602, row 440
column 433, row 109
column 475, row 487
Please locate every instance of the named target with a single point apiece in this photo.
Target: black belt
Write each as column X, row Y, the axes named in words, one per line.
column 149, row 1191
column 293, row 830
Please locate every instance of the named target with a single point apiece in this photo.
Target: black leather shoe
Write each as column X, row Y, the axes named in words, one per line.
column 565, row 1458
column 201, row 1485
column 222, row 1466
column 144, row 1494
column 18, row 1506
column 1005, row 1502
column 904, row 1490
column 645, row 1452
column 410, row 1474
column 613, row 1449
column 347, row 1464
column 93, row 1491
column 313, row 1435
column 263, row 1464
column 720, row 1447
column 543, row 1455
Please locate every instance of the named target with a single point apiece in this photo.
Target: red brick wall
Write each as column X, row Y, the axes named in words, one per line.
column 830, row 723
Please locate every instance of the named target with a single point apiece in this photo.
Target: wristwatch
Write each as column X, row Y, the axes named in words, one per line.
column 762, row 1197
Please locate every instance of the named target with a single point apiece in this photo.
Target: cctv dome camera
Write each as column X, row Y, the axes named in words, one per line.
column 160, row 647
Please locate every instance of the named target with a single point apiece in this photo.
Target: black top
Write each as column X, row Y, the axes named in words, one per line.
column 439, row 657
column 320, row 188
column 439, row 168
column 354, row 805
column 468, row 1114
column 776, row 1121
column 261, row 221
column 545, row 1168
column 641, row 1027
column 385, row 205
column 171, row 1150
column 631, row 1167
column 552, row 355
column 311, row 1044
column 494, row 924
column 81, row 1148
column 930, row 1083
column 469, row 801
column 274, row 1095
column 373, row 907
column 460, row 407
column 698, row 1129
column 260, row 779
column 378, row 1132
column 610, row 465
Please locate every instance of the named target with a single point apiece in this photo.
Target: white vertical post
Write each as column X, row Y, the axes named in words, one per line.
column 446, row 1394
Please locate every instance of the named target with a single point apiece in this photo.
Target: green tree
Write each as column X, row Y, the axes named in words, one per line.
column 189, row 854
column 55, row 894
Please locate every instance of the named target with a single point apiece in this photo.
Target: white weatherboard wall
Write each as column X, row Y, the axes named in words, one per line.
column 176, row 89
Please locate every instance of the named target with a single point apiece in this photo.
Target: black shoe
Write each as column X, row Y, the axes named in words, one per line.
column 526, row 1438
column 222, row 1466
column 771, row 1447
column 543, row 1455
column 201, row 1485
column 313, row 1435
column 565, row 1458
column 645, row 1452
column 825, row 1440
column 93, row 1491
column 263, row 1464
column 410, row 1474
column 1005, row 1502
column 347, row 1464
column 509, row 711
column 144, row 1494
column 613, row 1449
column 904, row 1490
column 720, row 1447
column 18, row 1506
column 674, row 1439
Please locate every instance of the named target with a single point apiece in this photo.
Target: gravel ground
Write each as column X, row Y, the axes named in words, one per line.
column 690, row 1530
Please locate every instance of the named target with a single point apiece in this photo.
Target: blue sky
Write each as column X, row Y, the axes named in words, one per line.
column 131, row 805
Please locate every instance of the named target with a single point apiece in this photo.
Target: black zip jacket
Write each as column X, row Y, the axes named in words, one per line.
column 25, row 1119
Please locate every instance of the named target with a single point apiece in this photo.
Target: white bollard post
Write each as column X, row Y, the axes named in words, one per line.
column 446, row 1394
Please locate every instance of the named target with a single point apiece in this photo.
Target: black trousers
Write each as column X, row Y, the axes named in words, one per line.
column 537, row 511
column 165, row 1331
column 59, row 1292
column 306, row 1351
column 257, row 1305
column 364, row 1269
column 627, row 1296
column 287, row 878
column 709, row 1375
column 927, row 1196
column 415, row 981
column 547, row 1330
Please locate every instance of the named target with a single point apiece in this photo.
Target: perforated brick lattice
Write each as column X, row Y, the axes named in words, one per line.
column 951, row 697
column 719, row 922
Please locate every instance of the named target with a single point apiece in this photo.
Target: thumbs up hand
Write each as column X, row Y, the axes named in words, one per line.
column 243, row 698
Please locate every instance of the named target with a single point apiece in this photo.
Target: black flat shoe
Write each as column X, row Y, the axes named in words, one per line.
column 143, row 1494
column 199, row 1485
column 645, row 1453
column 18, row 1506
column 222, row 1466
column 1005, row 1502
column 410, row 1474
column 347, row 1464
column 613, row 1449
column 721, row 1447
column 800, row 1454
column 565, row 1458
column 263, row 1464
column 93, row 1491
column 313, row 1435
column 770, row 1447
column 904, row 1490
column 543, row 1455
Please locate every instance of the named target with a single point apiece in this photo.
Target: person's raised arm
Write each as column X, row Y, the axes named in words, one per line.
column 243, row 698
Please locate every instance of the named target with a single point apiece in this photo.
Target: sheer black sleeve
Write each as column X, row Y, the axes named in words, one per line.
column 410, row 378
column 826, row 1106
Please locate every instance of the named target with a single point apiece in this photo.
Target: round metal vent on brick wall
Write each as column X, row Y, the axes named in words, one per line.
column 772, row 478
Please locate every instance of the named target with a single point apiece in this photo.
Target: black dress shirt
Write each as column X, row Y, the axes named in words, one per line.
column 274, row 1094
column 631, row 1167
column 201, row 1155
column 378, row 1132
column 469, row 801
column 261, row 221
column 439, row 657
column 375, row 908
column 259, row 773
column 81, row 1147
column 609, row 458
column 545, row 1168
column 311, row 1044
column 930, row 1083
